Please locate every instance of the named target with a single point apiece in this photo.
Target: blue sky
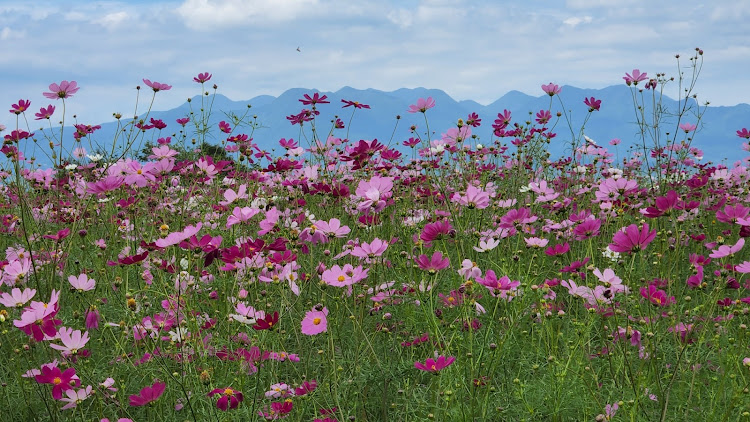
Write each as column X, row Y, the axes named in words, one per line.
column 471, row 49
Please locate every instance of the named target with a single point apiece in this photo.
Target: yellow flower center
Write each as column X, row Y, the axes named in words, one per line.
column 228, row 392
column 56, row 381
column 341, row 278
column 316, row 321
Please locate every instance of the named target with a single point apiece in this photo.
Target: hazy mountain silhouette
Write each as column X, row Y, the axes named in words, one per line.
column 616, row 119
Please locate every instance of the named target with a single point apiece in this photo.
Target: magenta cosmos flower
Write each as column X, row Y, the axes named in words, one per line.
column 434, row 263
column 435, row 365
column 230, row 398
column 148, row 394
column 593, row 103
column 64, row 90
column 632, row 239
column 315, row 322
column 422, row 105
column 60, row 380
column 156, row 86
column 202, row 77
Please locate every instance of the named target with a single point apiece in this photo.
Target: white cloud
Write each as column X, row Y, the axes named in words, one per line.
column 113, row 20
column 401, row 17
column 205, row 14
column 575, row 21
column 9, row 34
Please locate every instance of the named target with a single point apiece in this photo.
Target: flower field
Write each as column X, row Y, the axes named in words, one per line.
column 463, row 276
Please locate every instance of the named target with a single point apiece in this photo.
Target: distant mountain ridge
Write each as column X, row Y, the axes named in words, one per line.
column 716, row 137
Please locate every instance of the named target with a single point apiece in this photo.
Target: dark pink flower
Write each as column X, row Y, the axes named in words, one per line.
column 64, row 90
column 20, row 107
column 593, row 103
column 656, row 296
column 632, row 239
column 355, row 104
column 230, row 398
column 45, row 113
column 558, row 249
column 224, row 127
column 148, row 394
column 60, row 380
column 434, row 263
column 315, row 99
column 435, row 365
column 744, row 133
column 202, row 77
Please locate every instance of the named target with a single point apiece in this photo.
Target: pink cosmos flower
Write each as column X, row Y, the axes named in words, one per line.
column 278, row 390
column 177, row 237
column 558, row 249
column 474, row 198
column 733, row 214
column 230, row 398
column 434, row 263
column 593, row 103
column 73, row 341
column 16, row 298
column 370, row 250
column 241, row 215
column 551, row 89
column 435, row 365
column 744, row 133
column 636, row 77
column 148, row 394
column 374, row 193
column 503, row 285
column 64, row 90
column 230, row 195
column 656, row 296
column 341, row 277
column 107, row 184
column 74, row 398
column 332, row 227
column 82, row 283
column 20, row 107
column 422, row 105
column 725, row 250
column 469, row 270
column 688, row 127
column 743, row 268
column 315, row 322
column 202, row 77
column 38, row 320
column 535, row 242
column 632, row 239
column 162, row 152
column 45, row 113
column 156, row 86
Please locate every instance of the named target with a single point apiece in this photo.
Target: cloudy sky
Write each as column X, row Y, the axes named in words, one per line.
column 472, row 49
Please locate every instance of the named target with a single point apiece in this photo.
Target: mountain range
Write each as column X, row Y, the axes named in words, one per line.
column 716, row 134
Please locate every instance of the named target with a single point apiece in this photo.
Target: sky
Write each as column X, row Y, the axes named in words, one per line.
column 471, row 49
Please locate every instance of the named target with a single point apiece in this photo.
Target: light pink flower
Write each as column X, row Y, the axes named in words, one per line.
column 422, row 105
column 75, row 397
column 725, row 250
column 315, row 322
column 82, row 283
column 72, row 341
column 17, row 298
